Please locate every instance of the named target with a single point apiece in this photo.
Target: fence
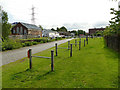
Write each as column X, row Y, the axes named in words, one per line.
column 30, row 58
column 23, row 36
column 70, row 45
column 113, row 42
column 56, row 48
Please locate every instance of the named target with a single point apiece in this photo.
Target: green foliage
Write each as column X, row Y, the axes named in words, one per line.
column 94, row 66
column 41, row 27
column 28, row 43
column 58, row 29
column 23, row 44
column 98, row 33
column 10, row 44
column 53, row 29
column 34, row 43
column 5, row 25
column 64, row 29
column 80, row 32
column 77, row 33
column 114, row 27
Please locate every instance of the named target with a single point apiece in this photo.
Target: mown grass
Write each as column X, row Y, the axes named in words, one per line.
column 94, row 66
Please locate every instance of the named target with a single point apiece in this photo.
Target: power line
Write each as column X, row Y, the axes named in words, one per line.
column 33, row 15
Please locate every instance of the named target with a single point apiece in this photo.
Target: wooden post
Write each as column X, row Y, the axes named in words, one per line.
column 87, row 40
column 56, row 49
column 75, row 42
column 84, row 43
column 68, row 44
column 79, row 45
column 30, row 59
column 52, row 60
column 71, row 51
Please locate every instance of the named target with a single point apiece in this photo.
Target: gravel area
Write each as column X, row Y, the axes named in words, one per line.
column 13, row 55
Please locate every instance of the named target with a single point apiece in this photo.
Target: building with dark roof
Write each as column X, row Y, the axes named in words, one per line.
column 50, row 33
column 26, row 29
column 93, row 30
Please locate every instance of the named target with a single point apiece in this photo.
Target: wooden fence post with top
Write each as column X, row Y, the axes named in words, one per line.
column 56, row 48
column 52, row 60
column 71, row 50
column 30, row 58
column 75, row 42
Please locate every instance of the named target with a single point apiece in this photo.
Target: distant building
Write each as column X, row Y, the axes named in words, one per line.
column 93, row 30
column 20, row 28
column 72, row 34
column 50, row 33
column 64, row 33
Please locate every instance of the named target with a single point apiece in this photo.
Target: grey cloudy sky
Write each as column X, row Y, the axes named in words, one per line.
column 73, row 14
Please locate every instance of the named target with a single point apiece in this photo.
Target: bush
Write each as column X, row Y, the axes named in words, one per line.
column 34, row 43
column 28, row 43
column 41, row 42
column 10, row 44
column 23, row 44
column 37, row 40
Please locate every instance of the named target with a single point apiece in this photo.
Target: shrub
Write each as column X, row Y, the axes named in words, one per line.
column 28, row 43
column 10, row 44
column 41, row 42
column 23, row 44
column 37, row 40
column 34, row 43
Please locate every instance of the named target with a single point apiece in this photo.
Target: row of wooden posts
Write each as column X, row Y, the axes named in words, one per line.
column 30, row 58
column 70, row 46
column 52, row 53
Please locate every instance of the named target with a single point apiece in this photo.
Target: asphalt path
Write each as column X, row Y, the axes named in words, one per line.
column 13, row 55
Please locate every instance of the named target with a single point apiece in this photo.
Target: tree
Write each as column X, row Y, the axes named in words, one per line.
column 84, row 33
column 58, row 29
column 6, row 27
column 114, row 27
column 63, row 29
column 75, row 32
column 53, row 29
column 98, row 33
column 41, row 27
column 80, row 32
column 0, row 22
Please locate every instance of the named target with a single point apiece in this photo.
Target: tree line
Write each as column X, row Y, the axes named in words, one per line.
column 6, row 27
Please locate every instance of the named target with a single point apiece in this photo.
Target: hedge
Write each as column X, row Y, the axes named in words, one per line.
column 113, row 42
column 10, row 44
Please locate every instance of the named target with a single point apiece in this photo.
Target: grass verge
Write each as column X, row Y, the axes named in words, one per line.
column 94, row 66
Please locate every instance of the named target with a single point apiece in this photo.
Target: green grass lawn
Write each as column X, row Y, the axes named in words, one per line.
column 94, row 66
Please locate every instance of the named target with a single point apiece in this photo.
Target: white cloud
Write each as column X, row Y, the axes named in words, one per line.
column 50, row 13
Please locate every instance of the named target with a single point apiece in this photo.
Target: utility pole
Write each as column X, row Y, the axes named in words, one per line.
column 33, row 15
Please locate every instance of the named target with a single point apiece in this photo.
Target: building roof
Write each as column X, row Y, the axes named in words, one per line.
column 30, row 26
column 97, row 29
column 50, row 31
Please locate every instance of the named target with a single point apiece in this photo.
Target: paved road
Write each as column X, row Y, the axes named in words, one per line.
column 13, row 55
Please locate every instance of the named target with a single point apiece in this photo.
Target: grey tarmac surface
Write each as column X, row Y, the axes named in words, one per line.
column 13, row 55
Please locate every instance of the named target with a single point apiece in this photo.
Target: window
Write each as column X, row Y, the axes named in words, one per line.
column 25, row 32
column 14, row 31
column 21, row 30
column 17, row 30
